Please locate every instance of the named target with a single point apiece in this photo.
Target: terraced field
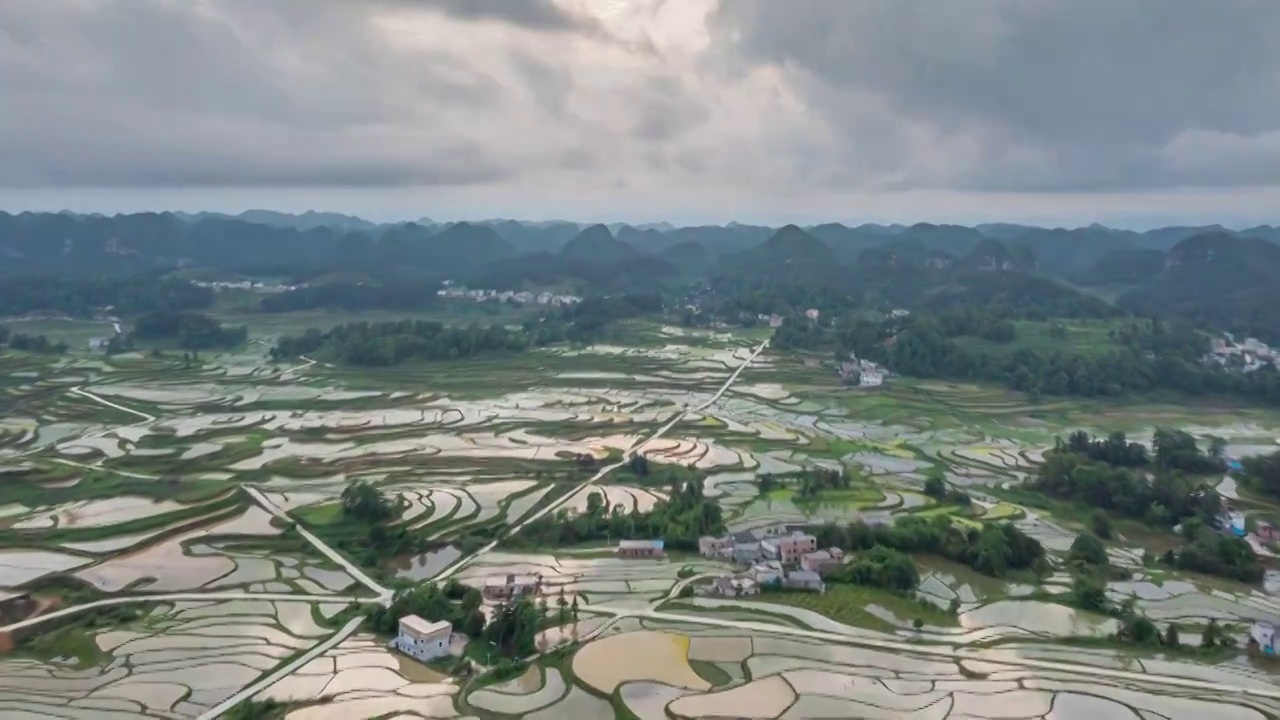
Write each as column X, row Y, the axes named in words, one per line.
column 178, row 513
column 655, row 670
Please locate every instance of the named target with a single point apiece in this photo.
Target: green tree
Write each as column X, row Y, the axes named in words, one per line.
column 1100, row 522
column 1210, row 636
column 935, row 487
column 1087, row 551
column 1171, row 639
column 1217, row 448
column 473, row 626
column 1139, row 631
column 363, row 501
column 1089, row 593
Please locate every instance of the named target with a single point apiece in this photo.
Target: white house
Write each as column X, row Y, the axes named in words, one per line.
column 1263, row 634
column 422, row 640
column 871, row 378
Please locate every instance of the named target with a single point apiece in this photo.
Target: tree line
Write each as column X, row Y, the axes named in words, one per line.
column 30, row 343
column 392, row 343
column 1143, row 357
column 189, row 330
column 1262, row 474
column 1118, row 478
column 87, row 297
column 678, row 520
column 1166, row 489
column 995, row 549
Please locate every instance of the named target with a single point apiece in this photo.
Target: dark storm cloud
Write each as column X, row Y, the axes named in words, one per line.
column 126, row 92
column 1083, row 93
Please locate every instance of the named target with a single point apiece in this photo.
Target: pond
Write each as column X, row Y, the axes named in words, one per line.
column 426, row 565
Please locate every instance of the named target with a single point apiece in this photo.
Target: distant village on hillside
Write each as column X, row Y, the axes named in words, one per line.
column 520, row 298
column 1247, row 356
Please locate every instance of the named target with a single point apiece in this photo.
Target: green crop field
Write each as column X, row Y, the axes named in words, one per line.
column 1086, row 337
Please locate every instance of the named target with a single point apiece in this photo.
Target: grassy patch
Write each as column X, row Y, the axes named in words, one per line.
column 322, row 514
column 1081, row 337
column 711, row 673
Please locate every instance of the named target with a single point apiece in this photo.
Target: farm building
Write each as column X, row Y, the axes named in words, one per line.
column 641, row 549
column 422, row 640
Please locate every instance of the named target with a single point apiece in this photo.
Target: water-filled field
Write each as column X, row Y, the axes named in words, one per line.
column 203, row 493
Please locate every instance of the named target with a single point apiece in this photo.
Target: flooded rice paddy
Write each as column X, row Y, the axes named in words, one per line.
column 139, row 491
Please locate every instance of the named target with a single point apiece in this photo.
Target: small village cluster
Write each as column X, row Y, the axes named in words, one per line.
column 1247, row 356
column 458, row 292
column 784, row 558
column 247, row 285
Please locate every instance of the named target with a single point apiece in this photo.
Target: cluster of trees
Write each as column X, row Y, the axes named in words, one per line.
column 997, row 549
column 1160, row 492
column 512, row 627
column 30, row 343
column 1115, row 450
column 1213, row 553
column 1142, row 357
column 809, row 483
column 1262, row 474
column 362, row 501
column 936, row 487
column 879, row 567
column 680, row 520
column 367, row 530
column 588, row 319
column 354, row 296
column 86, row 297
column 1174, row 450
column 454, row 602
column 192, row 331
column 392, row 343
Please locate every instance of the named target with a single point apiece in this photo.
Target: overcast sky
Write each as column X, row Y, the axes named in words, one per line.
column 1132, row 112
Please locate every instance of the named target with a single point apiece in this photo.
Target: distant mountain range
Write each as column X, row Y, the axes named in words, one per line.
column 1229, row 278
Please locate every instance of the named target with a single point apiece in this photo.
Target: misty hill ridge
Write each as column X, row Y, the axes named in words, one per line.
column 790, row 249
column 995, row 256
column 595, row 244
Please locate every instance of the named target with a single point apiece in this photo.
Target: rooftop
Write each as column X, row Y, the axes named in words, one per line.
column 640, row 544
column 505, row 580
column 415, row 624
column 804, row 576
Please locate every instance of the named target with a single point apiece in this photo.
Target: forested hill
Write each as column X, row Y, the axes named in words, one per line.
column 1217, row 278
column 93, row 246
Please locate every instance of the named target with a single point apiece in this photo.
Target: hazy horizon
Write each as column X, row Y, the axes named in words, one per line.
column 1137, row 224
